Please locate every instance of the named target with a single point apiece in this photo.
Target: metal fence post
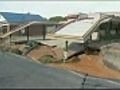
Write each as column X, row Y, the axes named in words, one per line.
column 84, row 79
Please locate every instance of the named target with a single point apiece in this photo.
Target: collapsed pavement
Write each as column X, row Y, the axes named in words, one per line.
column 111, row 55
column 87, row 63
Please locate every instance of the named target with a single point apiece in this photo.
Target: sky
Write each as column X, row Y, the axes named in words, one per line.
column 59, row 8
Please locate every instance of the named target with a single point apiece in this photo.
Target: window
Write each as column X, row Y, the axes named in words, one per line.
column 22, row 31
column 95, row 36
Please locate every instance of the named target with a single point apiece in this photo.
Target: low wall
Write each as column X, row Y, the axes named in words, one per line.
column 111, row 56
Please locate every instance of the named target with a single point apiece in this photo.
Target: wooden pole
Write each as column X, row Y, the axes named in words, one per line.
column 10, row 38
column 27, row 34
column 66, row 46
column 44, row 32
column 1, row 40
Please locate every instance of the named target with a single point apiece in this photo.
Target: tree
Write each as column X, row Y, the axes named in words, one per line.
column 57, row 18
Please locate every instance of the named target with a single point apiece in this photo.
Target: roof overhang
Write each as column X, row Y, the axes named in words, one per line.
column 77, row 39
column 28, row 24
column 47, row 23
column 4, row 24
column 37, row 23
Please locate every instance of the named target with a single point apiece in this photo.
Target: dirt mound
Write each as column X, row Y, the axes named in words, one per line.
column 58, row 52
column 39, row 52
column 45, row 50
column 91, row 64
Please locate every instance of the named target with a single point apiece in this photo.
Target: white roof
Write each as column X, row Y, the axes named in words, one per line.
column 78, row 28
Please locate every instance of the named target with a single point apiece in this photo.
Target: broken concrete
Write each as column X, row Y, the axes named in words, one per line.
column 111, row 57
column 75, row 49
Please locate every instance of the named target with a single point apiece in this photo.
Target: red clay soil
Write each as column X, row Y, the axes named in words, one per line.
column 44, row 50
column 91, row 64
column 39, row 52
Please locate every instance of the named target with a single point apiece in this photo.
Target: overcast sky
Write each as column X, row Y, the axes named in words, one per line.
column 59, row 8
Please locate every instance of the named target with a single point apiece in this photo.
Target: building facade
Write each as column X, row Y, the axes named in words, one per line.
column 16, row 20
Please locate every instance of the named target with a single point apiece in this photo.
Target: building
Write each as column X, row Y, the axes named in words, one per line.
column 23, row 24
column 96, row 28
column 72, row 16
column 14, row 20
column 111, row 13
column 11, row 21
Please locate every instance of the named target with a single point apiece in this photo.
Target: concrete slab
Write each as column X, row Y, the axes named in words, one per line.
column 112, row 56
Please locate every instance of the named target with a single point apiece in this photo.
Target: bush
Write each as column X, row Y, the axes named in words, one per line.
column 3, row 48
column 15, row 50
column 28, row 49
column 9, row 49
column 47, row 59
column 32, row 43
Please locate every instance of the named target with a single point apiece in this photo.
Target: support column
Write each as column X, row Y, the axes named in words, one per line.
column 56, row 26
column 110, row 25
column 65, row 53
column 66, row 46
column 1, row 31
column 108, row 31
column 27, row 32
column 44, row 32
column 8, row 28
column 10, row 38
column 1, row 40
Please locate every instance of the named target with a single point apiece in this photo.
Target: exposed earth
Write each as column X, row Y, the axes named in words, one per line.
column 91, row 64
column 20, row 72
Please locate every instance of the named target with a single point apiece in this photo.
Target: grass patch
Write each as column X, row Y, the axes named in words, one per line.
column 49, row 59
column 12, row 50
column 46, row 59
column 15, row 50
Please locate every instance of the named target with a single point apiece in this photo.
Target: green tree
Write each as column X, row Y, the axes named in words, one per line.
column 57, row 18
